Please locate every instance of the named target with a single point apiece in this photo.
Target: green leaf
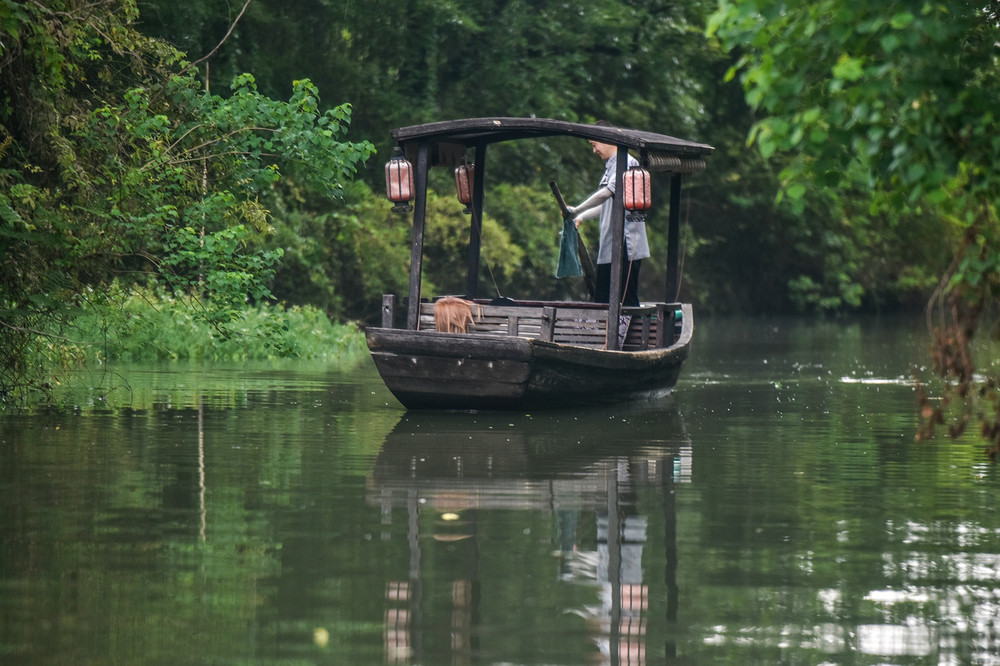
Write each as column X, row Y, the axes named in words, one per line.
column 890, row 42
column 901, row 20
column 848, row 68
column 796, row 191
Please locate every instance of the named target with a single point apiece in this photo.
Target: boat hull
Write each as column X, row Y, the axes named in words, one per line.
column 431, row 370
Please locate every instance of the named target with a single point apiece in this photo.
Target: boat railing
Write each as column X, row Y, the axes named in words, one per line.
column 580, row 324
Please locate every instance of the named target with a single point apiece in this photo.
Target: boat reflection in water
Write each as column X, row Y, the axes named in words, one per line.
column 475, row 490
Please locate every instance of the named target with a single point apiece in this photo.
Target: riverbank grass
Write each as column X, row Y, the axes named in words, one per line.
column 136, row 325
column 148, row 324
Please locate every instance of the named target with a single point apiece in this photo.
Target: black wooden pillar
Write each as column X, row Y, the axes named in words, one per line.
column 417, row 244
column 617, row 249
column 673, row 239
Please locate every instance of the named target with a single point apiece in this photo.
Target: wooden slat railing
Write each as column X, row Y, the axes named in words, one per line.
column 582, row 326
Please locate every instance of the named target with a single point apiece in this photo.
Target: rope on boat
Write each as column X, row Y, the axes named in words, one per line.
column 489, row 267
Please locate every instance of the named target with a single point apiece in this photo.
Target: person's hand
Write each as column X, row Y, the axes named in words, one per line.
column 572, row 211
column 576, row 221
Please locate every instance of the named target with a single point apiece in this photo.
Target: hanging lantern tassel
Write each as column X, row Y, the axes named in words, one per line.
column 399, row 181
column 637, row 189
column 465, row 176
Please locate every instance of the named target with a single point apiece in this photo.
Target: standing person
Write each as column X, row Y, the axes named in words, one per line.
column 601, row 203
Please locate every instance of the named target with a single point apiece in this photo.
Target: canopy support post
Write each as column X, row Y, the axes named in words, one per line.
column 417, row 245
column 617, row 250
column 673, row 240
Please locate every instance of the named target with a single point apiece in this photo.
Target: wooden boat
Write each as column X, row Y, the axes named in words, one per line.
column 531, row 354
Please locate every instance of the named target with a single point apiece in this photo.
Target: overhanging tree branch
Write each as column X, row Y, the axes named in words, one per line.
column 219, row 45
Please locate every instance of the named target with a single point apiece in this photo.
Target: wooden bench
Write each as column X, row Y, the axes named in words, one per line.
column 582, row 326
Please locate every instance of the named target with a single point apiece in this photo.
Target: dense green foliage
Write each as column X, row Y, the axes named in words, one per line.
column 897, row 100
column 401, row 63
column 388, row 59
column 115, row 164
column 643, row 64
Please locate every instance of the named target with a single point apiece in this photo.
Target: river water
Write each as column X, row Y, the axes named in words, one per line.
column 775, row 509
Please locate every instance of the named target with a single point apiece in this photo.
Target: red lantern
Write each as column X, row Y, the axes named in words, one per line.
column 399, row 181
column 465, row 176
column 637, row 189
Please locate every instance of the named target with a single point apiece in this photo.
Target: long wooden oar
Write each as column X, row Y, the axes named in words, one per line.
column 589, row 274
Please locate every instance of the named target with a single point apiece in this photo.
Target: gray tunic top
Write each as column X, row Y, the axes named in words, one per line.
column 636, row 245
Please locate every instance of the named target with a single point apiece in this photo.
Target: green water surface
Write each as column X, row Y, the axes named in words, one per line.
column 775, row 509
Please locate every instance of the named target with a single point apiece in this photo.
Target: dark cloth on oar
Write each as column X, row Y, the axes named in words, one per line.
column 569, row 250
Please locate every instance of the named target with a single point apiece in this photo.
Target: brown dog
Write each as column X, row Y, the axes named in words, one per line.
column 453, row 315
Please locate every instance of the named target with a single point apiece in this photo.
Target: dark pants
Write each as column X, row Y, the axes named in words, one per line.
column 630, row 283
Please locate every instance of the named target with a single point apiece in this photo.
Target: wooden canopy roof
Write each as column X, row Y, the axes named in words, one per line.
column 450, row 138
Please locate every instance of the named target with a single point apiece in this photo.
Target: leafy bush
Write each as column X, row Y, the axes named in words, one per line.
column 117, row 164
column 150, row 324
